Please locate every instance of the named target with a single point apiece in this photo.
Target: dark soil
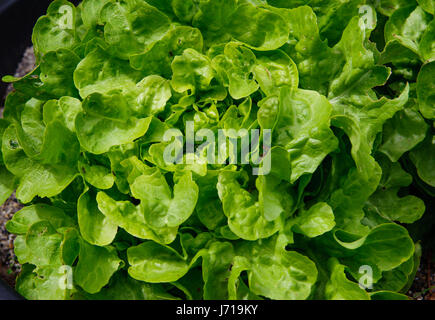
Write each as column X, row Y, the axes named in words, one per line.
column 9, row 266
column 423, row 287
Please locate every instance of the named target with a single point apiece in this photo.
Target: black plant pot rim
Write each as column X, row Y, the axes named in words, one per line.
column 7, row 293
column 6, row 4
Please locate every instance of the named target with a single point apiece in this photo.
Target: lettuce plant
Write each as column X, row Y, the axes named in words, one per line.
column 346, row 89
